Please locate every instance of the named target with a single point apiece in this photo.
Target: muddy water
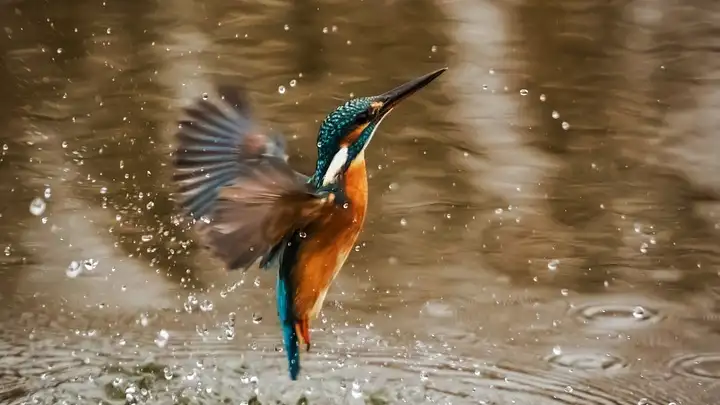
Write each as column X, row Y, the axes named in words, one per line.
column 543, row 225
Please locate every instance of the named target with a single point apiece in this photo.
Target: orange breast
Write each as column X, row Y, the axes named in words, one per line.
column 329, row 243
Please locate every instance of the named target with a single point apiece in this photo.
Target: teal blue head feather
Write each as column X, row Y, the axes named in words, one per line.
column 336, row 132
column 346, row 132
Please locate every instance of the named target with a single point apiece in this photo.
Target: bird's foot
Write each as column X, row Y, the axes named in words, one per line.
column 302, row 328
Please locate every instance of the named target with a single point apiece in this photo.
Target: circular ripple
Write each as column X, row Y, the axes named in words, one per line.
column 702, row 365
column 588, row 361
column 617, row 316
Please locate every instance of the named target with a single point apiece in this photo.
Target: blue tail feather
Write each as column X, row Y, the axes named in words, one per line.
column 290, row 338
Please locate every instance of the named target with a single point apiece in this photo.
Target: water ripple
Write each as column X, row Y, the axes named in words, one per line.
column 608, row 316
column 588, row 361
column 501, row 382
column 700, row 365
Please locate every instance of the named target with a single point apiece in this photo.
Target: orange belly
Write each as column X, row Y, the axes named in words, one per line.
column 328, row 245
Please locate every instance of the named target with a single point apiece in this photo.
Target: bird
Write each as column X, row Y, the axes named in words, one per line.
column 248, row 205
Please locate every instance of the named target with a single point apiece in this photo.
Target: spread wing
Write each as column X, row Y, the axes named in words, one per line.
column 234, row 179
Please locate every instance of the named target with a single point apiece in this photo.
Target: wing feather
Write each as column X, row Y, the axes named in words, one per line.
column 235, row 177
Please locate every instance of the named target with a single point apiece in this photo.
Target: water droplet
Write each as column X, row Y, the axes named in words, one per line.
column 73, row 270
column 424, row 376
column 325, row 30
column 643, row 401
column 168, row 373
column 90, row 264
column 639, row 313
column 356, row 391
column 523, row 92
column 59, row 50
column 205, row 96
column 229, row 331
column 543, row 97
column 643, row 247
column 37, row 206
column 48, row 193
column 555, row 114
column 293, row 83
column 565, row 125
column 557, row 350
column 302, row 234
column 491, row 71
column 190, row 303
column 334, row 28
column 256, row 318
column 256, row 283
column 281, row 89
column 553, row 264
column 206, row 306
column 162, row 338
column 201, row 330
column 103, row 190
column 144, row 319
column 287, row 27
column 433, row 48
column 564, row 292
column 569, row 389
column 403, row 221
column 6, row 147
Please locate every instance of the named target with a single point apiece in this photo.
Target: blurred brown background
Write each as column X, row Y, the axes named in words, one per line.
column 543, row 225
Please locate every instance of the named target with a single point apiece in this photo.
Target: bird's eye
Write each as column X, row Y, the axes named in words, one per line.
column 362, row 118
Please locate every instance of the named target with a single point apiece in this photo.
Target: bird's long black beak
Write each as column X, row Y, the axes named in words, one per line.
column 396, row 95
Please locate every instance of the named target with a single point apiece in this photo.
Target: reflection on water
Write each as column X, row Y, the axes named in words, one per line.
column 543, row 223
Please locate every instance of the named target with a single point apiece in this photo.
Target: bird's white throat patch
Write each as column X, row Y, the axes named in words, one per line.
column 336, row 165
column 341, row 156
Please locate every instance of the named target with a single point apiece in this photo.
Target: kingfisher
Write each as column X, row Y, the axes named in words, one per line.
column 233, row 179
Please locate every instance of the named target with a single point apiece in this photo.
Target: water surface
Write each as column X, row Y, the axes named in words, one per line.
column 543, row 222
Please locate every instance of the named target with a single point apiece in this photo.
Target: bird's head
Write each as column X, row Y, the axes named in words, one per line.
column 347, row 131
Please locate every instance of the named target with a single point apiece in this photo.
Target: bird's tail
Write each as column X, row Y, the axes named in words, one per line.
column 287, row 321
